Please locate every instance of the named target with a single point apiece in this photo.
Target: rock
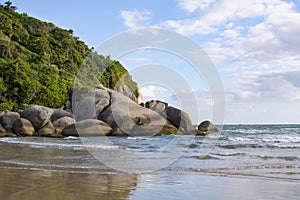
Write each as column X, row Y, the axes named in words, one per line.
column 8, row 119
column 1, row 114
column 39, row 116
column 118, row 133
column 169, row 129
column 157, row 106
column 2, row 130
column 23, row 127
column 47, row 131
column 88, row 127
column 67, row 105
column 2, row 135
column 124, row 89
column 206, row 127
column 180, row 119
column 59, row 113
column 62, row 123
column 130, row 117
column 92, row 105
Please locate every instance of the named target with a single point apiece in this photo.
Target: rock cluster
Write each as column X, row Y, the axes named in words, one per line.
column 100, row 112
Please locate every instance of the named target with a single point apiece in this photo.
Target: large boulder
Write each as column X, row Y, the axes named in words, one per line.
column 60, row 113
column 125, row 90
column 23, row 127
column 88, row 127
column 39, row 116
column 62, row 123
column 157, row 106
column 130, row 117
column 180, row 120
column 8, row 119
column 206, row 127
column 92, row 105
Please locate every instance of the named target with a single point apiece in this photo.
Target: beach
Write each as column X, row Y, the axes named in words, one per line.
column 36, row 184
column 247, row 162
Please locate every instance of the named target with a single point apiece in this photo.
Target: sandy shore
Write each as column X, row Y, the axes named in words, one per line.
column 18, row 183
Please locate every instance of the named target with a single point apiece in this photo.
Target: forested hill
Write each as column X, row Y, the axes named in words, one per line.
column 39, row 61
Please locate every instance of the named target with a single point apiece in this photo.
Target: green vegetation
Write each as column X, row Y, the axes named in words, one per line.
column 39, row 62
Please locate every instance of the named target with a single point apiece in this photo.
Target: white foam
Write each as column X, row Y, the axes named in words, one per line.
column 43, row 144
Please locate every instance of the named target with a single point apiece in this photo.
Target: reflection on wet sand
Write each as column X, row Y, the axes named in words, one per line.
column 37, row 184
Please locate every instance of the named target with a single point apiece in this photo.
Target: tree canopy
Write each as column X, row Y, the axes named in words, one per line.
column 39, row 62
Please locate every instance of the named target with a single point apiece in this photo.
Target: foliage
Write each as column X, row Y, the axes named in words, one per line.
column 39, row 62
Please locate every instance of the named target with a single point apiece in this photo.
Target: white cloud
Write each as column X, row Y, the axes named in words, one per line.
column 151, row 92
column 193, row 5
column 265, row 87
column 135, row 19
column 255, row 44
column 215, row 14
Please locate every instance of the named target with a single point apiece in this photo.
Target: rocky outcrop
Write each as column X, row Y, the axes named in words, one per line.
column 92, row 105
column 102, row 112
column 23, row 127
column 124, row 89
column 8, row 119
column 206, row 127
column 130, row 117
column 157, row 106
column 39, row 116
column 175, row 116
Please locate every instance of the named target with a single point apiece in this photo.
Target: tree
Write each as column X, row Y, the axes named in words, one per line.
column 9, row 6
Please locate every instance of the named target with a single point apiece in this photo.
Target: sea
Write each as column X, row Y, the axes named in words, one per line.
column 239, row 162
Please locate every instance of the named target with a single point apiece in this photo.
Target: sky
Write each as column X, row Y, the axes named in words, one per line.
column 253, row 44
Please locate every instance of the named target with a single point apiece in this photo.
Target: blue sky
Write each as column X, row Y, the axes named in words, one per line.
column 254, row 45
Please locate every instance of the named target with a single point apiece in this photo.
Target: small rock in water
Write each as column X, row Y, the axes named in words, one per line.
column 206, row 127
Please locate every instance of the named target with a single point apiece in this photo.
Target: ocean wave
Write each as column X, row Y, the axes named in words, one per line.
column 55, row 144
column 284, row 146
column 286, row 158
column 228, row 153
column 206, row 157
column 237, row 146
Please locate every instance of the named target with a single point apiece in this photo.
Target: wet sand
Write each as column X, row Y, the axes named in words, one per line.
column 18, row 183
